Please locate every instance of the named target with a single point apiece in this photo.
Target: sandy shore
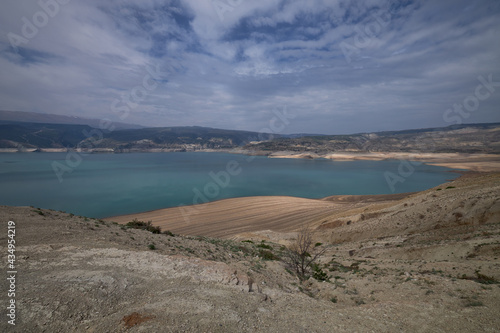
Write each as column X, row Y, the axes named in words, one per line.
column 268, row 216
column 473, row 162
column 230, row 217
column 242, row 214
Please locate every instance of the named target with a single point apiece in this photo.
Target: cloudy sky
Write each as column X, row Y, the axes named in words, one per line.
column 336, row 66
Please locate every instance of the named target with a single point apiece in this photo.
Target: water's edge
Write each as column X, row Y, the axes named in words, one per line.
column 103, row 185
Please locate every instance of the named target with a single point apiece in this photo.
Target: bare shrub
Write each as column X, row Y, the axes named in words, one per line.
column 303, row 253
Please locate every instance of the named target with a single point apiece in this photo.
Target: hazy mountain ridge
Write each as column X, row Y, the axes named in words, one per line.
column 468, row 138
column 43, row 118
column 181, row 137
column 34, row 135
column 22, row 135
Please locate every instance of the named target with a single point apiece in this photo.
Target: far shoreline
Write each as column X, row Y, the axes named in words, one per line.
column 458, row 163
column 479, row 162
column 266, row 215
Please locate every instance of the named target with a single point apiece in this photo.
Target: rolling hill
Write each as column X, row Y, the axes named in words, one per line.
column 467, row 138
column 45, row 118
column 33, row 135
column 24, row 135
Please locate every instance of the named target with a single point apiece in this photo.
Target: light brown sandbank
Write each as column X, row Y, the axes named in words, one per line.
column 473, row 162
column 230, row 217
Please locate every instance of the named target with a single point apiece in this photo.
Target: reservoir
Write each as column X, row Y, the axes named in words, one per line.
column 103, row 185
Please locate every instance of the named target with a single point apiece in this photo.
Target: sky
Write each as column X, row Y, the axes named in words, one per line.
column 317, row 66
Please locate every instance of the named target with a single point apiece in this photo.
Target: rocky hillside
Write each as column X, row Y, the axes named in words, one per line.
column 428, row 262
column 26, row 136
column 480, row 138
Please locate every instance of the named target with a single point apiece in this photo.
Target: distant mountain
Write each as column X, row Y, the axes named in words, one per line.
column 188, row 138
column 299, row 135
column 33, row 135
column 187, row 134
column 467, row 138
column 470, row 138
column 36, row 135
column 33, row 117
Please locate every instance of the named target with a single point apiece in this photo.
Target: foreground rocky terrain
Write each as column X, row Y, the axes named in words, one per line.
column 422, row 262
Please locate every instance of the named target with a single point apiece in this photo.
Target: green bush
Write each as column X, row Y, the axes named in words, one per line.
column 485, row 279
column 39, row 211
column 168, row 233
column 267, row 255
column 480, row 278
column 265, row 246
column 318, row 273
column 136, row 224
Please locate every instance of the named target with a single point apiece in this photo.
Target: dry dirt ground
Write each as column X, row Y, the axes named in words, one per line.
column 422, row 262
column 227, row 218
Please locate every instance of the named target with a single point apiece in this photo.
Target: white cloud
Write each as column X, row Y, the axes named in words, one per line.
column 263, row 54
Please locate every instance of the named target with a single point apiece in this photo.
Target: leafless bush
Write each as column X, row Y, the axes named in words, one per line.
column 303, row 253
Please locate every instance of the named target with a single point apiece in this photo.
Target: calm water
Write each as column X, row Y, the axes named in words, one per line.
column 113, row 184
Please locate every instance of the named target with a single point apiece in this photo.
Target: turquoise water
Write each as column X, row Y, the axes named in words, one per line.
column 102, row 185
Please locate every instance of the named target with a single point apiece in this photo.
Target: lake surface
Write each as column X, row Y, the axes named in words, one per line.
column 102, row 185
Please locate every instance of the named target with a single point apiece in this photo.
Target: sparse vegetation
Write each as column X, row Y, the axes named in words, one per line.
column 471, row 303
column 267, row 255
column 480, row 278
column 168, row 233
column 318, row 273
column 302, row 254
column 136, row 224
column 359, row 301
column 265, row 246
column 39, row 212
